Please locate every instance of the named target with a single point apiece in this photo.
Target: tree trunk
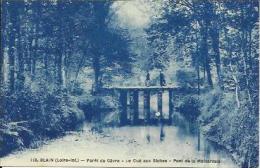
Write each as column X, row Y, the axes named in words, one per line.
column 29, row 55
column 11, row 64
column 236, row 83
column 245, row 64
column 60, row 41
column 59, row 66
column 20, row 74
column 11, row 53
column 198, row 63
column 204, row 52
column 46, row 67
column 215, row 44
column 96, row 68
column 68, row 56
column 35, row 51
column 198, row 78
column 3, row 40
column 81, row 63
column 35, row 41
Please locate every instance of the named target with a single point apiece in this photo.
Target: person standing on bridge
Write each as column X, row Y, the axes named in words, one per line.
column 162, row 79
column 147, row 80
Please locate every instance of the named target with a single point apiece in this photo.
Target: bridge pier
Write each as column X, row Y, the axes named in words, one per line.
column 136, row 106
column 147, row 104
column 123, row 107
column 159, row 104
column 171, row 106
column 130, row 114
column 130, row 108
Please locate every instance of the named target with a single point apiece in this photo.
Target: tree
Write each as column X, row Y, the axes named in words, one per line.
column 105, row 53
column 11, row 46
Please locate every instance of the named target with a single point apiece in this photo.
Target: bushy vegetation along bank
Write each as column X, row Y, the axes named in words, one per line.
column 228, row 121
column 100, row 109
column 231, row 124
column 27, row 117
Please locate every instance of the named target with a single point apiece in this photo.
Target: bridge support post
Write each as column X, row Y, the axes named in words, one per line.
column 123, row 107
column 135, row 106
column 147, row 106
column 159, row 104
column 171, row 106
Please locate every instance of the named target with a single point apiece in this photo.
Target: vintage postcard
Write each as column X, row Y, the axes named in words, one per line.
column 129, row 83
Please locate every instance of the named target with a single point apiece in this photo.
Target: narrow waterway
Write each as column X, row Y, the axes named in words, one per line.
column 158, row 145
column 179, row 145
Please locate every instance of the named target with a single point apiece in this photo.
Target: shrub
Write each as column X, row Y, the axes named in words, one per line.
column 34, row 115
column 96, row 106
column 186, row 78
column 190, row 108
column 14, row 135
column 23, row 105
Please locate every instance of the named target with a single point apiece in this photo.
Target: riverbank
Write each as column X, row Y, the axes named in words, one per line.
column 233, row 127
column 32, row 117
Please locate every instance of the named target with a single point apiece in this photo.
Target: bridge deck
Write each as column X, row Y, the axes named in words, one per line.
column 142, row 87
column 151, row 88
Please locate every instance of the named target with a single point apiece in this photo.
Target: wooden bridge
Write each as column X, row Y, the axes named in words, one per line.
column 129, row 112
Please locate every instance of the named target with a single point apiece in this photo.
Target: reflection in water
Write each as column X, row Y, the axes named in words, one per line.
column 207, row 150
column 148, row 137
column 198, row 130
column 162, row 134
column 184, row 136
column 165, row 141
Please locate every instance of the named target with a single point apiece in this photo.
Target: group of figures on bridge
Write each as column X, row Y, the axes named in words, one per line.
column 148, row 79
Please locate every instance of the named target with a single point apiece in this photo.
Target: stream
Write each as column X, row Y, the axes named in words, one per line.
column 177, row 145
column 125, row 146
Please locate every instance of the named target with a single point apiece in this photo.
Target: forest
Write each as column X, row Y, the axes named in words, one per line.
column 55, row 54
